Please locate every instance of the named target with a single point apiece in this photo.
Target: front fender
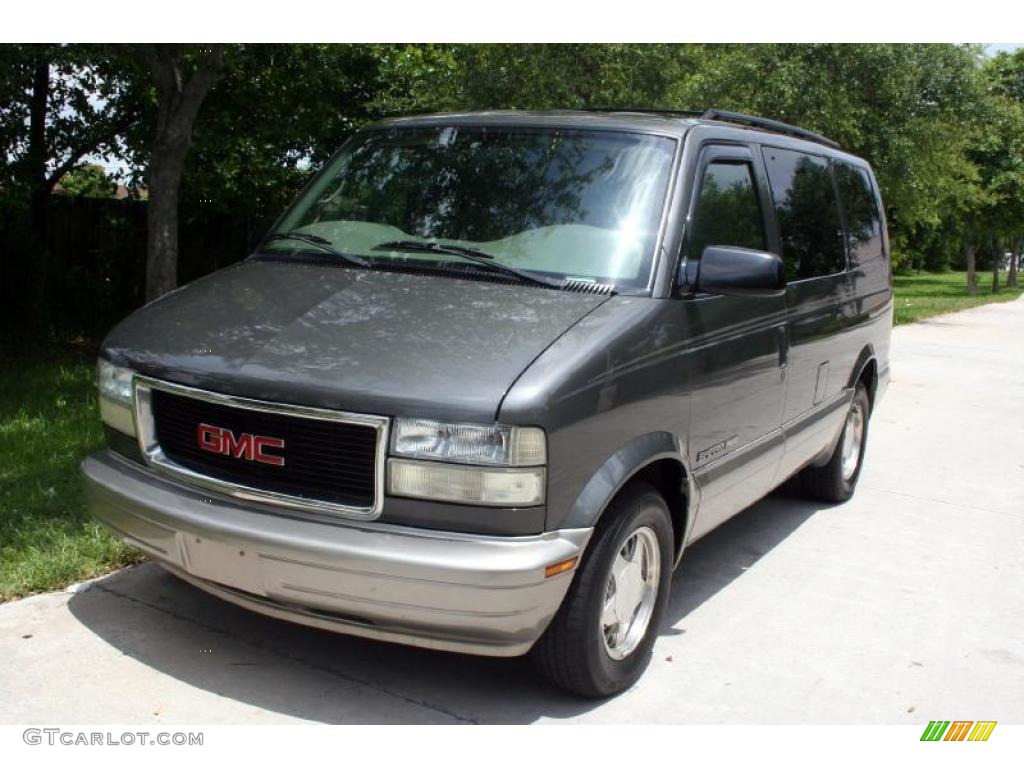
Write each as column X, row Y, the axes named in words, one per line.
column 622, row 466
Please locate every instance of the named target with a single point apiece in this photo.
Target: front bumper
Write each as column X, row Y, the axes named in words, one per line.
column 459, row 592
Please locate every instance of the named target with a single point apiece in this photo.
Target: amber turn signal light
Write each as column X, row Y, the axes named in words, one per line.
column 557, row 568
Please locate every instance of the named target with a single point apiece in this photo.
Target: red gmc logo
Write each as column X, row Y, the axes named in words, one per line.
column 247, row 446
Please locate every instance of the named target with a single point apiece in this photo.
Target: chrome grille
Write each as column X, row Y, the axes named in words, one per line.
column 332, row 461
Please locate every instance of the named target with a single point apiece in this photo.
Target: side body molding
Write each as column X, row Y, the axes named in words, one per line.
column 620, row 467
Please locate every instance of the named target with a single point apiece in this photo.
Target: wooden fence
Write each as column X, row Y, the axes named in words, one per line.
column 90, row 270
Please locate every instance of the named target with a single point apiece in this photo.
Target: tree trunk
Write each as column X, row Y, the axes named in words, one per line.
column 997, row 258
column 165, row 169
column 1015, row 252
column 970, row 251
column 37, row 153
column 30, row 273
column 179, row 99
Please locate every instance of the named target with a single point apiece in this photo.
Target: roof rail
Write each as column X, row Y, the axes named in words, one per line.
column 767, row 124
column 650, row 111
column 753, row 121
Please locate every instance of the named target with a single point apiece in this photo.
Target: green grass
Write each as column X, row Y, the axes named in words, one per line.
column 49, row 420
column 935, row 293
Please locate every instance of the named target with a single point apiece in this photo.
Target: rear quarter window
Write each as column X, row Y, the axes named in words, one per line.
column 860, row 208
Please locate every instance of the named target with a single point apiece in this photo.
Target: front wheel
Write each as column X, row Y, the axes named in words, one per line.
column 600, row 641
column 837, row 480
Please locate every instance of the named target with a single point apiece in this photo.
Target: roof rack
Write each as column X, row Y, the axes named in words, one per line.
column 765, row 123
column 651, row 111
column 721, row 115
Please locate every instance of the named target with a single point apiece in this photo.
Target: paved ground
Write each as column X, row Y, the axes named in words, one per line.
column 901, row 606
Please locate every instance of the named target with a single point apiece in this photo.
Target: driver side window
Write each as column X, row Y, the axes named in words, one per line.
column 727, row 212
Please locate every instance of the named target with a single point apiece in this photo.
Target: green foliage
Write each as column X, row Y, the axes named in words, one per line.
column 566, row 76
column 999, row 152
column 90, row 102
column 89, row 180
column 1006, row 74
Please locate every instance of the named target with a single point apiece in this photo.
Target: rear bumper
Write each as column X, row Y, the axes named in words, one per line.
column 460, row 592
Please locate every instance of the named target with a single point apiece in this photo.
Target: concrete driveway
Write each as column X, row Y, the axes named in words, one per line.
column 901, row 606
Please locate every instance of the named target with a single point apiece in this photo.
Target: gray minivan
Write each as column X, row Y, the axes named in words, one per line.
column 491, row 373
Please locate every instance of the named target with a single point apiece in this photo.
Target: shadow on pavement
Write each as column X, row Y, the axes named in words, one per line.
column 719, row 558
column 312, row 674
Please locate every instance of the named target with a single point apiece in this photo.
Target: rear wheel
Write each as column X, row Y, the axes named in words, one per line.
column 837, row 480
column 600, row 641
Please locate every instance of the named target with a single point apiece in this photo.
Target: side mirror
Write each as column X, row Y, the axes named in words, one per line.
column 740, row 272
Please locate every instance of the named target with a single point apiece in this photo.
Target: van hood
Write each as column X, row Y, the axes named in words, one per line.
column 388, row 343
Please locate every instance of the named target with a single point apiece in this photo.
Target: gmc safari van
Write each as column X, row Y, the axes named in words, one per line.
column 491, row 373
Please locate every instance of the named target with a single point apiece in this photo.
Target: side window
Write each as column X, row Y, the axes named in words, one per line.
column 808, row 213
column 727, row 212
column 863, row 220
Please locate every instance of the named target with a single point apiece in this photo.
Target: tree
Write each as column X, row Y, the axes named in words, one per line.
column 182, row 78
column 300, row 103
column 566, row 76
column 89, row 180
column 58, row 104
column 62, row 103
column 992, row 209
column 1005, row 74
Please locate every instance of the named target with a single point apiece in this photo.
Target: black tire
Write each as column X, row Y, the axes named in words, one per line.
column 828, row 483
column 572, row 653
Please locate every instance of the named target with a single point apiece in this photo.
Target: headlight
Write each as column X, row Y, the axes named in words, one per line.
column 485, row 464
column 491, row 444
column 117, row 398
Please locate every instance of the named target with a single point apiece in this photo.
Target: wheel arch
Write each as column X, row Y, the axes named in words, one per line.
column 866, row 370
column 657, row 458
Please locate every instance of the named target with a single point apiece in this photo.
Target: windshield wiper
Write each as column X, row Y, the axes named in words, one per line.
column 320, row 242
column 475, row 255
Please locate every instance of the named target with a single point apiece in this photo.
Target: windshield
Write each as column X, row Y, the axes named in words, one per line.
column 558, row 203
